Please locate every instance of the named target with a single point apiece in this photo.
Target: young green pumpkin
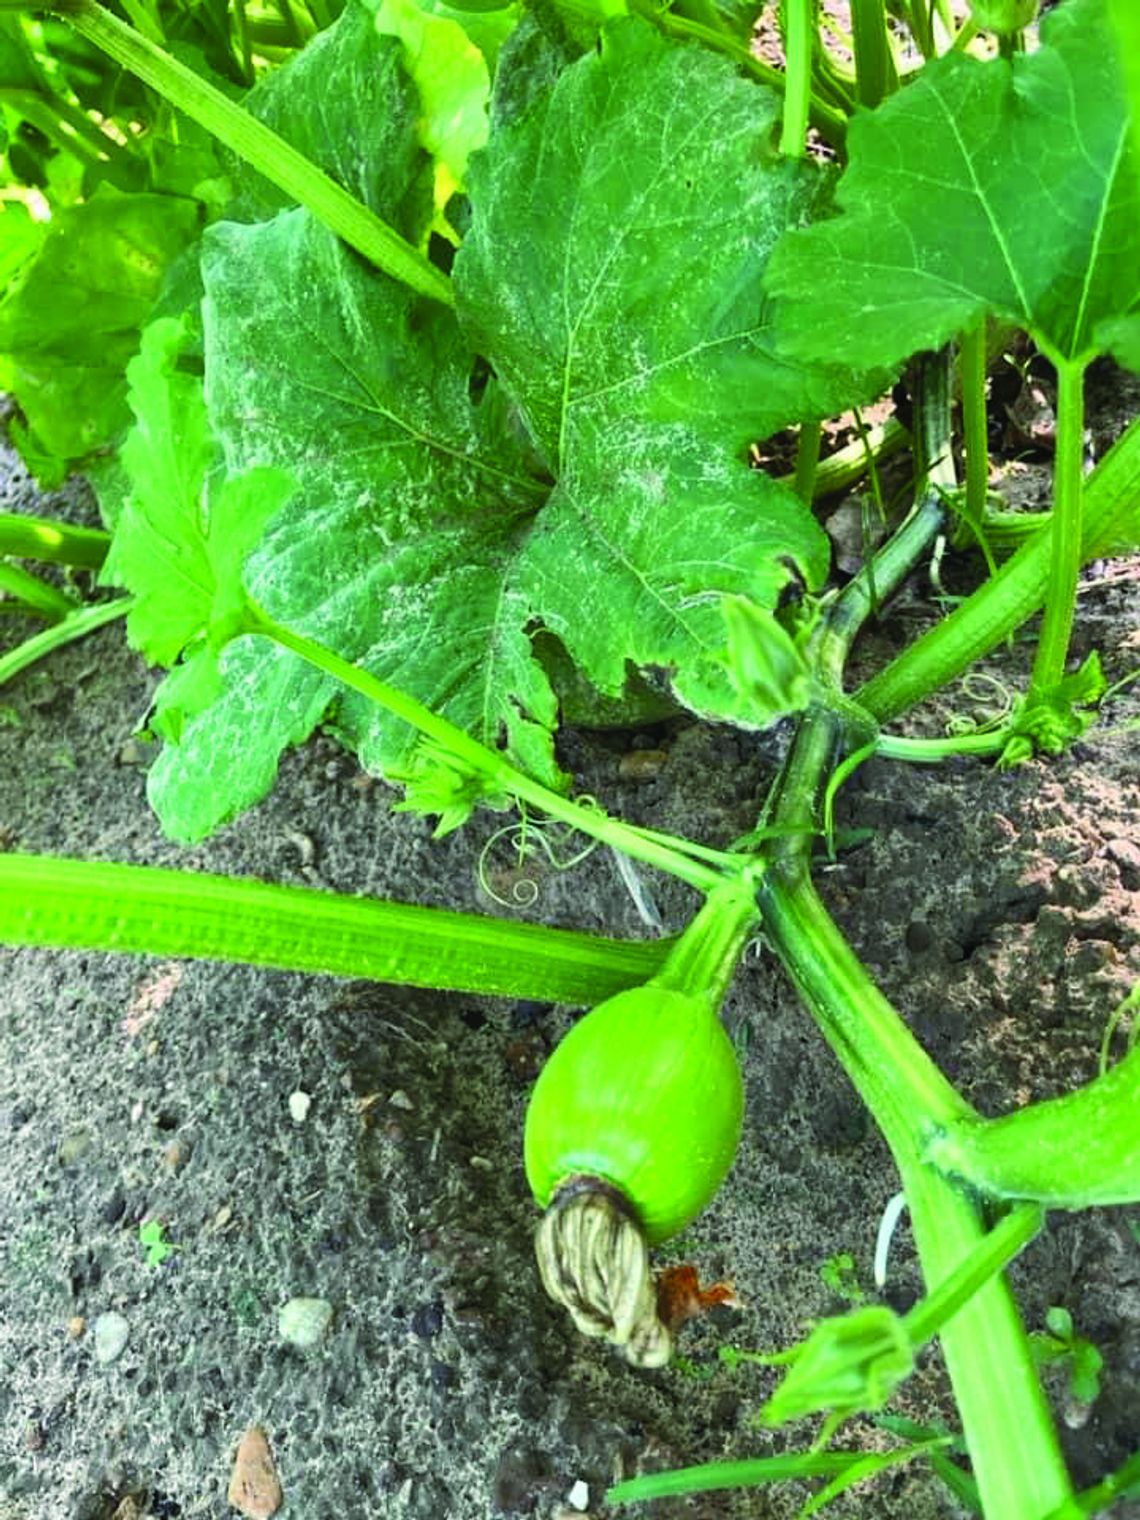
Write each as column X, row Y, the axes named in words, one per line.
column 632, row 1127
column 643, row 1093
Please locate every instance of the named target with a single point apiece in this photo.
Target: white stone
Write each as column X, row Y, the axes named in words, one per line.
column 579, row 1496
column 304, row 1322
column 111, row 1333
column 299, row 1106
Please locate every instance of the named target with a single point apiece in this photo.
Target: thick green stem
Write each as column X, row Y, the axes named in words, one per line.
column 897, row 1080
column 37, row 596
column 78, row 904
column 1110, row 512
column 972, row 368
column 270, row 154
column 1064, row 533
column 799, row 40
column 1018, row 1465
column 75, row 626
column 875, row 72
column 501, row 777
column 1072, row 1152
column 56, row 543
column 703, row 961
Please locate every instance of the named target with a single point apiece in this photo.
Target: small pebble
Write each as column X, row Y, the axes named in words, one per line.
column 304, row 1322
column 111, row 1332
column 642, row 764
column 400, row 1099
column 131, row 752
column 129, row 1509
column 175, row 1155
column 1126, row 856
column 427, row 1321
column 299, row 1106
column 579, row 1496
column 76, row 1326
column 73, row 1147
column 254, row 1487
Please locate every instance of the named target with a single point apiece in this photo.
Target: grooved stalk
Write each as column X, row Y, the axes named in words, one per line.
column 146, row 910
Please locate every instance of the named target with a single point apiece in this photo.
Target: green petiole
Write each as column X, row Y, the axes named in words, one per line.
column 76, row 625
column 37, row 596
column 76, row 904
column 972, row 369
column 499, row 776
column 799, row 37
column 1012, row 596
column 55, row 543
column 270, row 154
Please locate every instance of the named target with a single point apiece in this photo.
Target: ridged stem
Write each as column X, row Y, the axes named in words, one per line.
column 147, row 910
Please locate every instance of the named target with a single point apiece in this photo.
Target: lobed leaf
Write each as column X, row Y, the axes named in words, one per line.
column 395, row 548
column 425, row 539
column 981, row 187
column 620, row 229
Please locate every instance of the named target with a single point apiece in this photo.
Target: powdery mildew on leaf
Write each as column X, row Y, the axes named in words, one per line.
column 395, row 547
column 347, row 104
column 425, row 540
column 620, row 229
column 645, row 531
column 980, row 187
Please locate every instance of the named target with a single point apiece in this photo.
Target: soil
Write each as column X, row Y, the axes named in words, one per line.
column 1001, row 913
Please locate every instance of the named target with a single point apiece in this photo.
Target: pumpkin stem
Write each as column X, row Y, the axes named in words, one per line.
column 703, row 961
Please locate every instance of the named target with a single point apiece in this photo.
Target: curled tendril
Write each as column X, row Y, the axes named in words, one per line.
column 976, row 687
column 594, row 1261
column 529, row 839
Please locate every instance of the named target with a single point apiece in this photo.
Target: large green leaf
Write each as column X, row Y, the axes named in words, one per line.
column 424, row 540
column 620, row 229
column 69, row 326
column 394, row 550
column 1010, row 188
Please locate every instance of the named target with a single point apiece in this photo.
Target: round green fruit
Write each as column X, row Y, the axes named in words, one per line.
column 645, row 1094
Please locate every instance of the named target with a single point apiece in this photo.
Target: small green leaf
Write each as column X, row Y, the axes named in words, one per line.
column 152, row 1236
column 981, row 187
column 180, row 545
column 765, row 664
column 69, row 327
